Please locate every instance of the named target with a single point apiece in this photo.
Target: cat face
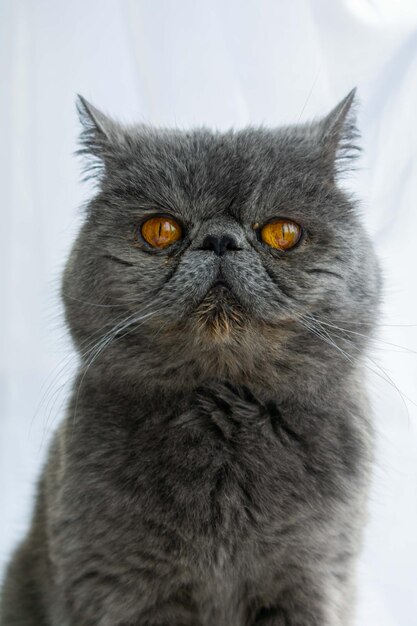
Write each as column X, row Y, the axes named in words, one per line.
column 211, row 254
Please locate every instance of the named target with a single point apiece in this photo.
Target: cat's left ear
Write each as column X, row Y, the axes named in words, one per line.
column 101, row 138
column 338, row 135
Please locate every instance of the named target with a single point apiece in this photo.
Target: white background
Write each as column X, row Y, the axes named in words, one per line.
column 221, row 63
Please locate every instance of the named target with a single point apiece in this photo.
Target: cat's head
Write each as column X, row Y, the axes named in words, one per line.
column 233, row 255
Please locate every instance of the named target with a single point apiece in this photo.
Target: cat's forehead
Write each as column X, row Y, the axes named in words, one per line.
column 210, row 172
column 253, row 150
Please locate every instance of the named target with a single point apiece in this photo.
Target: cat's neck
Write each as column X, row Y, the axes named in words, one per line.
column 321, row 389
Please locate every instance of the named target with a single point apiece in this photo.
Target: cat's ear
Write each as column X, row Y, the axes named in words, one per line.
column 338, row 135
column 100, row 139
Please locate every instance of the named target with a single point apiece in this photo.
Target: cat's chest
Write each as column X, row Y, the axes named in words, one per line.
column 228, row 464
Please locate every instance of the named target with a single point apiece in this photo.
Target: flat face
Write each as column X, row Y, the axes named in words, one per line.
column 224, row 239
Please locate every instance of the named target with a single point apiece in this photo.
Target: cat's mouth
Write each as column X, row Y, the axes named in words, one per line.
column 221, row 293
column 220, row 313
column 219, row 285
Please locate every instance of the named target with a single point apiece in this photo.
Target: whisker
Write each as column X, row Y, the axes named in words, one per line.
column 95, row 304
column 354, row 332
column 384, row 375
column 63, row 372
column 88, row 344
column 104, row 343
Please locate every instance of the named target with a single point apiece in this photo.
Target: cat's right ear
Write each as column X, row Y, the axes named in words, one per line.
column 100, row 139
column 338, row 136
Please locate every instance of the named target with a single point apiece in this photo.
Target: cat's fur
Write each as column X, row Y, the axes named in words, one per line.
column 213, row 466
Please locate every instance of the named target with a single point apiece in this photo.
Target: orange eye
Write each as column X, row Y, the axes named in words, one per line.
column 281, row 234
column 161, row 232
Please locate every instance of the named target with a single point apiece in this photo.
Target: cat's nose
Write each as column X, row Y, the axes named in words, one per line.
column 220, row 244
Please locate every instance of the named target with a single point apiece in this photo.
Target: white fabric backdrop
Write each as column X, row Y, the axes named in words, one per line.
column 222, row 63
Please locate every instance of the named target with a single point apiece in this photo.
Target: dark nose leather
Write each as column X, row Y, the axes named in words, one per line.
column 219, row 244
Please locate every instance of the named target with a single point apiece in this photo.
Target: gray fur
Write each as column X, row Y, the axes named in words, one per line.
column 214, row 463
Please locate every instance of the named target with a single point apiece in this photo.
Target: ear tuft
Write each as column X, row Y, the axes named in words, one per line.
column 91, row 118
column 339, row 134
column 99, row 139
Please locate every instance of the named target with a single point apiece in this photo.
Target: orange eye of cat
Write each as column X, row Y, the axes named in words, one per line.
column 281, row 234
column 161, row 232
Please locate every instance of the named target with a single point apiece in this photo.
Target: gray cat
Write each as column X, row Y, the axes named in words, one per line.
column 214, row 463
